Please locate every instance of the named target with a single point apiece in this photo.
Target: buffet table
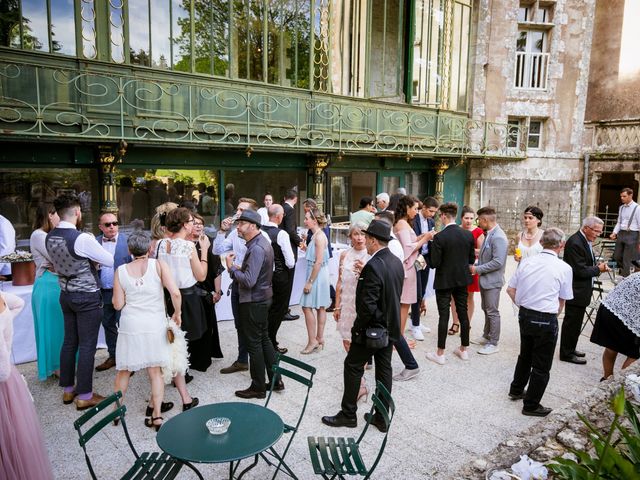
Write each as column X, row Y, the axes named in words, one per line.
column 24, row 337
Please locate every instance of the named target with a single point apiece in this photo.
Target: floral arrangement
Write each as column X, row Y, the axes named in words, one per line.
column 17, row 257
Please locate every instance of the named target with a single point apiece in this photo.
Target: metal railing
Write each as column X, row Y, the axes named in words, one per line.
column 531, row 70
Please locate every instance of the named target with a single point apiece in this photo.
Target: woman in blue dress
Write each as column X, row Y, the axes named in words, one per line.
column 315, row 294
column 45, row 300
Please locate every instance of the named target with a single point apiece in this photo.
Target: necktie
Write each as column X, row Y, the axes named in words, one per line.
column 105, row 239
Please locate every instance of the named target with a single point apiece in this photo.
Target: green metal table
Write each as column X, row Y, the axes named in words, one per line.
column 253, row 430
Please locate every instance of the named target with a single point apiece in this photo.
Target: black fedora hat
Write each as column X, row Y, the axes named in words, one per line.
column 250, row 216
column 380, row 230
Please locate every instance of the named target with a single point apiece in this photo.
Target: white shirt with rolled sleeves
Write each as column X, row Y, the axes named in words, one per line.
column 88, row 247
column 285, row 245
column 625, row 221
column 540, row 281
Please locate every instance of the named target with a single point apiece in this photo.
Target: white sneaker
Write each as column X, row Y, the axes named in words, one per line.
column 489, row 349
column 417, row 333
column 463, row 355
column 406, row 374
column 425, row 329
column 480, row 341
column 434, row 357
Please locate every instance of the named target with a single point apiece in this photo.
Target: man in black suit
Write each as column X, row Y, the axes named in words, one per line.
column 290, row 226
column 422, row 223
column 452, row 253
column 578, row 253
column 377, row 305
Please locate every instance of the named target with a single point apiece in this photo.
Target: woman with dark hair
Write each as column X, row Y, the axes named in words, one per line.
column 529, row 238
column 467, row 221
column 365, row 213
column 209, row 345
column 45, row 301
column 406, row 211
column 315, row 294
column 187, row 268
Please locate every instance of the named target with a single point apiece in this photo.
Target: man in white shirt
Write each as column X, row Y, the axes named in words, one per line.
column 627, row 233
column 73, row 255
column 284, row 262
column 540, row 287
column 7, row 245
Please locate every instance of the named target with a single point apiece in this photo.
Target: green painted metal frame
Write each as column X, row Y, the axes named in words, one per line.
column 61, row 99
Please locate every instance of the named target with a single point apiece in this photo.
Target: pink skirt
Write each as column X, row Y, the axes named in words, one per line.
column 23, row 454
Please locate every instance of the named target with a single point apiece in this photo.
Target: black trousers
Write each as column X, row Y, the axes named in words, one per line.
column 626, row 250
column 571, row 326
column 538, row 336
column 262, row 356
column 280, row 302
column 443, row 300
column 354, row 363
column 421, row 284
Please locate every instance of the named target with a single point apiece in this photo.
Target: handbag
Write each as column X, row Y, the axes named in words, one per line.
column 170, row 335
column 420, row 262
column 376, row 337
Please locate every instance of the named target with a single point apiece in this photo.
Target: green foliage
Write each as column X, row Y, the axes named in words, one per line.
column 617, row 459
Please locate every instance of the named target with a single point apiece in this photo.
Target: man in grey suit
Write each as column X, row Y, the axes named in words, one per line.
column 492, row 260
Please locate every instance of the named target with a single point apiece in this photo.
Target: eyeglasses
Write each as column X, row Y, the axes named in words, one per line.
column 597, row 232
column 198, row 224
column 109, row 224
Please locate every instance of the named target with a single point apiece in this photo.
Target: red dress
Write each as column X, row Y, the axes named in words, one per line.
column 474, row 286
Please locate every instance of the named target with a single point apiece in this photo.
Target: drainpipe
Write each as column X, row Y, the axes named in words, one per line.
column 585, row 183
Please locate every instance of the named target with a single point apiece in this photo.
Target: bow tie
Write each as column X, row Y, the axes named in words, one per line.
column 105, row 239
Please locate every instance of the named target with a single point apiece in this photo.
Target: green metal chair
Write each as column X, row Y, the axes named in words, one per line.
column 147, row 466
column 303, row 375
column 336, row 457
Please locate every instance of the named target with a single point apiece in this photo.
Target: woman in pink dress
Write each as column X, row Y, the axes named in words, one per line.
column 406, row 211
column 467, row 221
column 22, row 450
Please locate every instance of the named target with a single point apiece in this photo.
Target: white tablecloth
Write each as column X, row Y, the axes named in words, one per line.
column 24, row 337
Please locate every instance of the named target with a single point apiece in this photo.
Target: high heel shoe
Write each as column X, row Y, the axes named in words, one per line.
column 164, row 407
column 188, row 406
column 149, row 422
column 364, row 392
column 311, row 349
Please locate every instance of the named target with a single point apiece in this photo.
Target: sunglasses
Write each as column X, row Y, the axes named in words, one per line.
column 109, row 224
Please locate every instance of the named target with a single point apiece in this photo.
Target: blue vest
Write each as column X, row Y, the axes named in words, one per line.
column 75, row 273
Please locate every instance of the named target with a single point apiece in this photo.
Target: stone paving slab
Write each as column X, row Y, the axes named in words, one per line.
column 445, row 417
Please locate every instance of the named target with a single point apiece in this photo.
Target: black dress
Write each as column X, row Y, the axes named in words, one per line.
column 610, row 332
column 201, row 351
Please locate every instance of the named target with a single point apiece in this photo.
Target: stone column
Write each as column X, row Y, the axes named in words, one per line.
column 109, row 157
column 319, row 165
column 592, row 193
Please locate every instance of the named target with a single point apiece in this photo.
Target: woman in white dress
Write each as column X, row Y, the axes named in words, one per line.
column 529, row 238
column 351, row 263
column 142, row 333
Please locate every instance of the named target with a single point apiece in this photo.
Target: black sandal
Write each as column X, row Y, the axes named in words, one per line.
column 455, row 328
column 164, row 407
column 149, row 422
column 188, row 406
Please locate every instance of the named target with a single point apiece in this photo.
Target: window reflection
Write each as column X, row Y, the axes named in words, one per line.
column 23, row 190
column 160, row 40
column 139, row 44
column 181, row 35
column 63, row 27
column 211, row 47
column 116, row 20
column 34, row 25
column 247, row 41
column 10, row 25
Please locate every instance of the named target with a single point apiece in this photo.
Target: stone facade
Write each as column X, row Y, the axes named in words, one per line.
column 551, row 174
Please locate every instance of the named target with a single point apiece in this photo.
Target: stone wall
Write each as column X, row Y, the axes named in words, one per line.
column 552, row 174
column 554, row 435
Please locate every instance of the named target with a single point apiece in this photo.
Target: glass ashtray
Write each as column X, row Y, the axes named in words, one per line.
column 218, row 425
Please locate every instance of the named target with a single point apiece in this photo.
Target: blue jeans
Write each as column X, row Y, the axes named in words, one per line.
column 110, row 321
column 82, row 313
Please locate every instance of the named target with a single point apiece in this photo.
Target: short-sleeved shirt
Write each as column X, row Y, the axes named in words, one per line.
column 541, row 280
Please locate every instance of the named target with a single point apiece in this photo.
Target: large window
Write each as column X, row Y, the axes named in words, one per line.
column 525, row 133
column 22, row 190
column 532, row 45
column 346, row 190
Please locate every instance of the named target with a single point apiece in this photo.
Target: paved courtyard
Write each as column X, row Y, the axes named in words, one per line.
column 445, row 417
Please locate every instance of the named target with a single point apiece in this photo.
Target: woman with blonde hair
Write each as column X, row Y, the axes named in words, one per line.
column 315, row 294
